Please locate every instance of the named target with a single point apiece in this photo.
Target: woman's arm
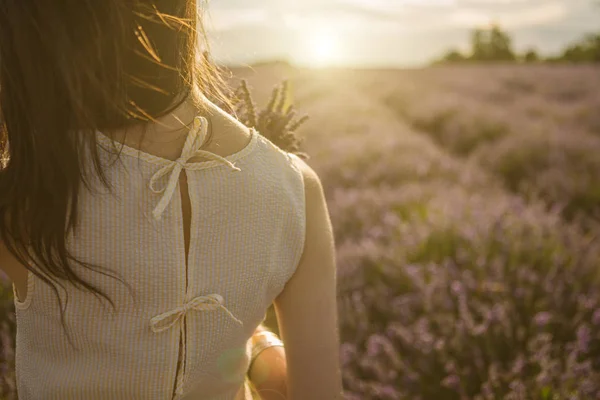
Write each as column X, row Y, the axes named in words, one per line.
column 268, row 372
column 307, row 307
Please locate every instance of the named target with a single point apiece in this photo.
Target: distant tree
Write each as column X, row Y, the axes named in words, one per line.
column 586, row 50
column 574, row 53
column 592, row 45
column 491, row 44
column 454, row 56
column 531, row 56
column 500, row 45
column 479, row 45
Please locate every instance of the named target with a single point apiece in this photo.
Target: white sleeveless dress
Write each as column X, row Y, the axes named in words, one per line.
column 185, row 333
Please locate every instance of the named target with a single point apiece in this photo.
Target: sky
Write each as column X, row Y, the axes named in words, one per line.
column 384, row 33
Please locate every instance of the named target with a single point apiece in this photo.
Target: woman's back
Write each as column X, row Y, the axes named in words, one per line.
column 189, row 324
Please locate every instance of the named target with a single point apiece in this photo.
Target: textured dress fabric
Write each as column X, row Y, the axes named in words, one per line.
column 180, row 330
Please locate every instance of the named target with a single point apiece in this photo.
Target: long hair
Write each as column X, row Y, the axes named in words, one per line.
column 67, row 71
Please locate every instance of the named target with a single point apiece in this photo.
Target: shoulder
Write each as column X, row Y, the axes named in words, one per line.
column 312, row 182
column 319, row 232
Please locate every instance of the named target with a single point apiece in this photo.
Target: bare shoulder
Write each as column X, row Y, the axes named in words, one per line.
column 312, row 182
column 318, row 222
column 319, row 232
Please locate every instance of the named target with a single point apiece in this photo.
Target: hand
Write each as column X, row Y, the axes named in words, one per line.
column 268, row 373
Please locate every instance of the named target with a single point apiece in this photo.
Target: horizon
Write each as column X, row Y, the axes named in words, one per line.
column 360, row 33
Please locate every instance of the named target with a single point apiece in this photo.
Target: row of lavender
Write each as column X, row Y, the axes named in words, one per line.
column 463, row 202
column 536, row 128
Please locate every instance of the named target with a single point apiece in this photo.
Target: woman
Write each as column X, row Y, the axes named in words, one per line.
column 189, row 224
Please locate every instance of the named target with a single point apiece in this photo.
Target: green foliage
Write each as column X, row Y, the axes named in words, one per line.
column 453, row 56
column 487, row 45
column 495, row 45
column 492, row 44
column 587, row 50
column 531, row 56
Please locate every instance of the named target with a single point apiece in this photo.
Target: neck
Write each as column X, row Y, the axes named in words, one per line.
column 174, row 125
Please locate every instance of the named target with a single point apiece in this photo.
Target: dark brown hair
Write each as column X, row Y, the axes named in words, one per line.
column 67, row 71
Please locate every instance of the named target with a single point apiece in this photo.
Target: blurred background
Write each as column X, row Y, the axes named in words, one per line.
column 392, row 33
column 458, row 143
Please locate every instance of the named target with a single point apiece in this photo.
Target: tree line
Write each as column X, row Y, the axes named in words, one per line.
column 495, row 45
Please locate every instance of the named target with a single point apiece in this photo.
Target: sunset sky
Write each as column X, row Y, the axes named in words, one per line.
column 384, row 32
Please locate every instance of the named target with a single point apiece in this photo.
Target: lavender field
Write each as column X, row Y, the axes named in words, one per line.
column 466, row 208
column 465, row 203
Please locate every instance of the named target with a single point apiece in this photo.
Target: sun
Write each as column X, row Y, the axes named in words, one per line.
column 324, row 48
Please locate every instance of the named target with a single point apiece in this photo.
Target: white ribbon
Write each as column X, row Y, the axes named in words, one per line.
column 200, row 303
column 191, row 149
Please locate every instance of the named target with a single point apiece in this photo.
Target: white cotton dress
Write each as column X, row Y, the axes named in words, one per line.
column 183, row 331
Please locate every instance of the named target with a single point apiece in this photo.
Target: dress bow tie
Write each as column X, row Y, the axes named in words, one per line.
column 200, row 303
column 194, row 141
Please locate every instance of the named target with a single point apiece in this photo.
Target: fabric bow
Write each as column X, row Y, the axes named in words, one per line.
column 191, row 149
column 200, row 303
